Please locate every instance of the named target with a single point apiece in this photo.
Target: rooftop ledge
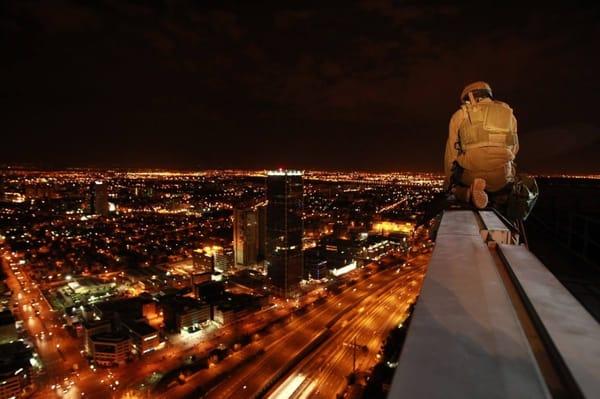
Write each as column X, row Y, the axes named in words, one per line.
column 493, row 322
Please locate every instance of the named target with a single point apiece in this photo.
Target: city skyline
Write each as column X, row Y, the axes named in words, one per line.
column 133, row 284
column 158, row 284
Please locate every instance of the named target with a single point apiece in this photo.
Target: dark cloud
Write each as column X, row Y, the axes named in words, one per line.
column 367, row 84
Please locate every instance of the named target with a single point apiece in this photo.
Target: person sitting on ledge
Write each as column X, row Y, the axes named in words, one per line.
column 481, row 147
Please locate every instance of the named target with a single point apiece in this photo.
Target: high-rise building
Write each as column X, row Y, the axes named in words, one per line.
column 99, row 198
column 284, row 231
column 262, row 231
column 245, row 236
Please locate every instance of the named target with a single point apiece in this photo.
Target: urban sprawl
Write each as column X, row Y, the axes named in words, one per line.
column 217, row 283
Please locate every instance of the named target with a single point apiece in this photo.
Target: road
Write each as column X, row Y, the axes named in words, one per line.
column 59, row 351
column 44, row 329
column 281, row 348
column 324, row 373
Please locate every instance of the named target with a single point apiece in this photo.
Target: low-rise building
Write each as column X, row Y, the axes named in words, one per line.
column 144, row 338
column 183, row 313
column 110, row 348
column 126, row 308
column 126, row 321
column 376, row 246
column 91, row 328
column 213, row 258
column 235, row 307
column 15, row 370
column 315, row 264
column 338, row 252
column 136, row 308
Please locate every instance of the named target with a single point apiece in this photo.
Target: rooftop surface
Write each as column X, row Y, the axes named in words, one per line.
column 470, row 337
column 141, row 328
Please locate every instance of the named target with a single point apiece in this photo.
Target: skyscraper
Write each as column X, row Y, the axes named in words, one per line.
column 245, row 236
column 284, row 231
column 99, row 198
column 262, row 231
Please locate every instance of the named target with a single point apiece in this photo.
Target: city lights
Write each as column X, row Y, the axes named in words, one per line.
column 82, row 262
column 151, row 290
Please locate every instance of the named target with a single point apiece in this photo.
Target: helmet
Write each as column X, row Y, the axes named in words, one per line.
column 475, row 86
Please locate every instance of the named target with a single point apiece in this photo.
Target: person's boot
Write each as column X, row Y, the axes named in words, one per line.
column 479, row 197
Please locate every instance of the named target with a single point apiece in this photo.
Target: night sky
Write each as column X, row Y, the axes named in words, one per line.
column 319, row 85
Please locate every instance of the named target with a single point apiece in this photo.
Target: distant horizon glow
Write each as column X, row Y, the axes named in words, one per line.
column 285, row 172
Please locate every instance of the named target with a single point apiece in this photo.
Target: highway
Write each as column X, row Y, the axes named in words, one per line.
column 324, row 373
column 286, row 343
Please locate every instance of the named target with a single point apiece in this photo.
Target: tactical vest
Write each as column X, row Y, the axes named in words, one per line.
column 488, row 124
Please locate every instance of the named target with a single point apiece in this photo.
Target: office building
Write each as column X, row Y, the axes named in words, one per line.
column 245, row 236
column 184, row 314
column 237, row 306
column 262, row 231
column 284, row 231
column 99, row 198
column 144, row 338
column 110, row 348
column 91, row 328
column 315, row 264
column 223, row 259
column 338, row 252
column 213, row 259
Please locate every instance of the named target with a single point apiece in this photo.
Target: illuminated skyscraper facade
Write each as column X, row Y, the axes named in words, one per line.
column 262, row 231
column 284, row 231
column 245, row 236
